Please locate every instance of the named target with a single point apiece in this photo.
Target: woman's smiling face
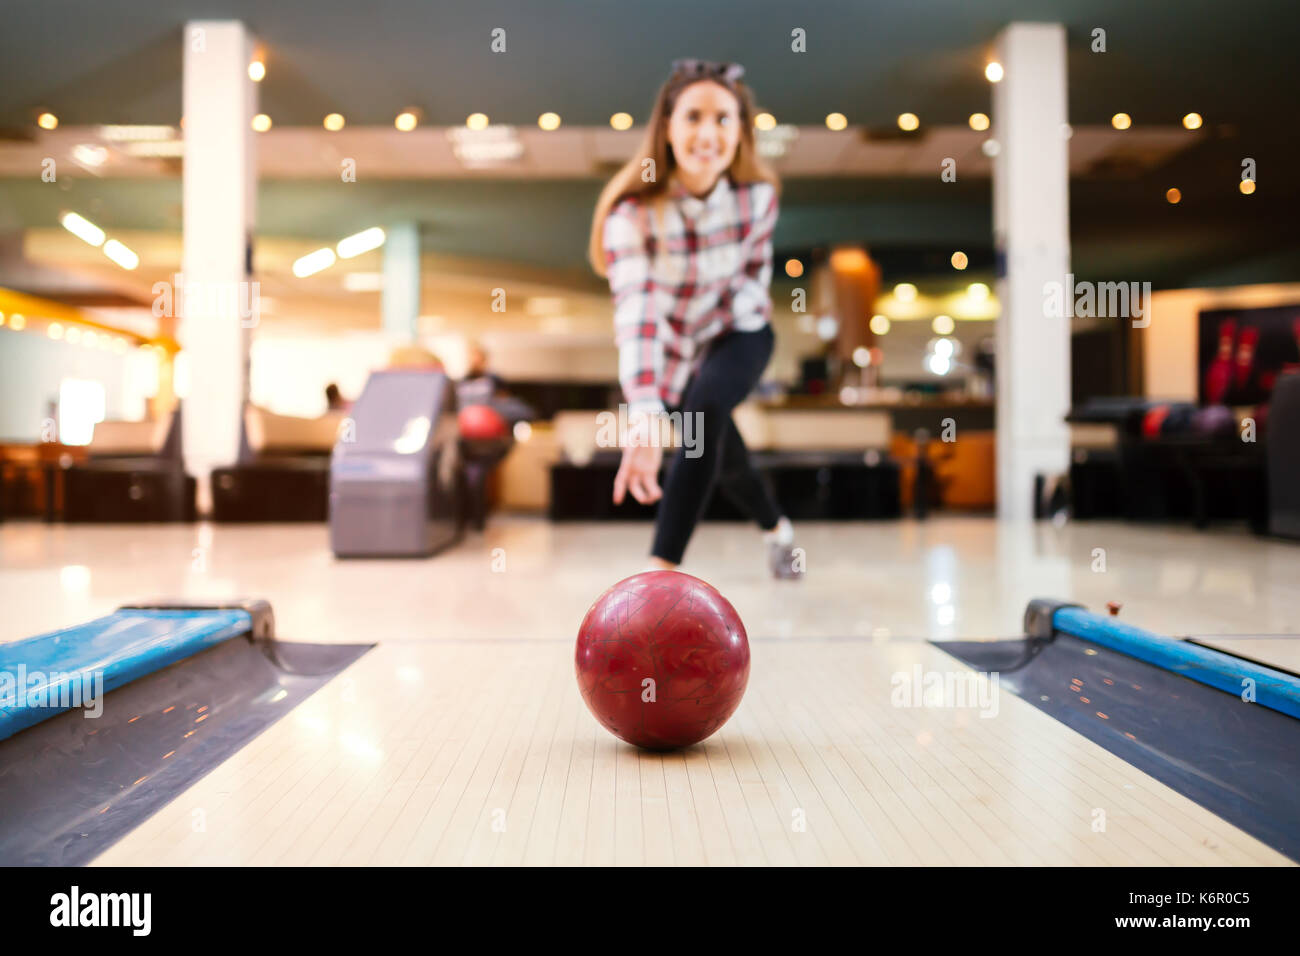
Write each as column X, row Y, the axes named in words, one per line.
column 704, row 131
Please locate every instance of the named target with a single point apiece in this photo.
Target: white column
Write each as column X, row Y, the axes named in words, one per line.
column 219, row 194
column 401, row 296
column 1031, row 227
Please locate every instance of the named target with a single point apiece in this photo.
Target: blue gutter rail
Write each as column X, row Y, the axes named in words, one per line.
column 1273, row 689
column 45, row 675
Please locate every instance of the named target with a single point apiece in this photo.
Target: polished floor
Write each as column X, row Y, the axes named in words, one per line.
column 461, row 738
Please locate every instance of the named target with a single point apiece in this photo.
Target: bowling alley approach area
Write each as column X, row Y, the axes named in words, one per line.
column 578, row 434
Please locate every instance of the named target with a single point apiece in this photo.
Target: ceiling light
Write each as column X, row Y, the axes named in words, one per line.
column 120, row 254
column 938, row 364
column 496, row 144
column 836, row 121
column 363, row 241
column 334, row 122
column 82, row 228
column 993, row 72
column 621, row 121
column 87, row 154
column 549, row 121
column 313, row 263
column 129, row 134
column 908, row 122
column 156, row 148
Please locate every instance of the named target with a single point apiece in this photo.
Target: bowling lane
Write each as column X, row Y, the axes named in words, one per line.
column 947, row 578
column 1281, row 651
column 462, row 737
column 461, row 752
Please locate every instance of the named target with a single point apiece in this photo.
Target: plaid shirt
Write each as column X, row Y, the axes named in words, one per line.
column 683, row 276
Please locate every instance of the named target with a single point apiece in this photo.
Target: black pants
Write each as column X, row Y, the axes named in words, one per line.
column 478, row 458
column 729, row 371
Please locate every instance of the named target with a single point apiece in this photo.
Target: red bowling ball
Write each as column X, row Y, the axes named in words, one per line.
column 662, row 660
column 481, row 423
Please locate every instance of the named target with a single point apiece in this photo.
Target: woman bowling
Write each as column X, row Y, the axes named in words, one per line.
column 683, row 232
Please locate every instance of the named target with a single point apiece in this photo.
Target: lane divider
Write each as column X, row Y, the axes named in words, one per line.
column 1271, row 688
column 43, row 676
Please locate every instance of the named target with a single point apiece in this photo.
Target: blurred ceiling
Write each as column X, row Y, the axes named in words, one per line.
column 119, row 63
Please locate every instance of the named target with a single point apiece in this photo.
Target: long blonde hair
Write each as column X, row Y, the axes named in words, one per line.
column 746, row 166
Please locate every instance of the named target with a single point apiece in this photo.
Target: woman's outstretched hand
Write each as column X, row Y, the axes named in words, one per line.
column 639, row 473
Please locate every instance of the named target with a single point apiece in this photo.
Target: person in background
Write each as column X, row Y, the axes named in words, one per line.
column 334, row 400
column 479, row 386
column 488, row 415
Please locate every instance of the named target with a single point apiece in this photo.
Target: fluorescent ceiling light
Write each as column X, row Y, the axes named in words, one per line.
column 89, row 155
column 494, row 144
column 314, row 262
column 129, row 134
column 82, row 228
column 167, row 148
column 120, row 254
column 363, row 241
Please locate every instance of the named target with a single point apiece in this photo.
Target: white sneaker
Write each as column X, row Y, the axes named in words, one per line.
column 784, row 559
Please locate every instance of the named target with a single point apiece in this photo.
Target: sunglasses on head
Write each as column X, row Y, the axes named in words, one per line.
column 731, row 72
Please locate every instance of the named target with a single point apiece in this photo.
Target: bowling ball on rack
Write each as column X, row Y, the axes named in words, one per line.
column 662, row 660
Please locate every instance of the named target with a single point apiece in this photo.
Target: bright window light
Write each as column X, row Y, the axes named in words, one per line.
column 81, row 406
column 181, row 375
